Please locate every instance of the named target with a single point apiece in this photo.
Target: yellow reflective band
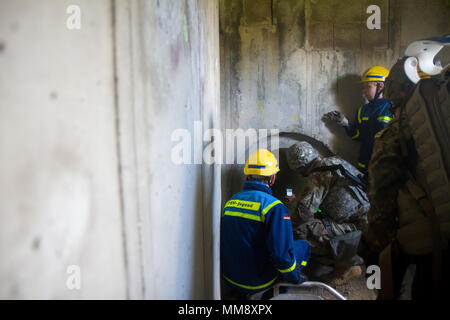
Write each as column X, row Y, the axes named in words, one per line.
column 270, row 206
column 249, row 205
column 361, row 165
column 251, row 287
column 356, row 135
column 359, row 115
column 385, row 119
column 244, row 215
column 289, row 269
column 304, row 263
column 365, row 118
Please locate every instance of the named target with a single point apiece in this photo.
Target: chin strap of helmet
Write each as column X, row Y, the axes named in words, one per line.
column 379, row 91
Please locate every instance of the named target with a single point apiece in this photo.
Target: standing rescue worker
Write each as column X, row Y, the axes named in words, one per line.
column 370, row 118
column 409, row 220
column 257, row 245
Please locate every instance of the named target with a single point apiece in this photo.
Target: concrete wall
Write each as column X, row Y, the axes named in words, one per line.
column 168, row 71
column 59, row 186
column 287, row 62
column 86, row 118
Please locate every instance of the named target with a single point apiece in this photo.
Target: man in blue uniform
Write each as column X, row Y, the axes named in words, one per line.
column 257, row 245
column 370, row 118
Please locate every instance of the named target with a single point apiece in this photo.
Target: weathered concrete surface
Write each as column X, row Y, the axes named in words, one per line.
column 59, row 190
column 87, row 177
column 306, row 57
column 287, row 62
column 173, row 69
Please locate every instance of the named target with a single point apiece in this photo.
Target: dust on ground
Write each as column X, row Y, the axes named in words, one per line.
column 353, row 290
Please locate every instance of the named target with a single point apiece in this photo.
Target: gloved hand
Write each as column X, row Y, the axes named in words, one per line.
column 337, row 117
column 288, row 199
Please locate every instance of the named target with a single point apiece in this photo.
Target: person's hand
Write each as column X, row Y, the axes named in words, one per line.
column 337, row 117
column 288, row 199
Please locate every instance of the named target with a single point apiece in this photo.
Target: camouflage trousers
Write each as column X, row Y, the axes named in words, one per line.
column 318, row 233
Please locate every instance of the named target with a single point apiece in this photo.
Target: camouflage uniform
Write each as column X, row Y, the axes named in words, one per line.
column 394, row 158
column 343, row 205
column 387, row 174
column 401, row 227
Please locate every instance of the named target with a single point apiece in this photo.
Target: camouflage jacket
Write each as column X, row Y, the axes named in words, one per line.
column 387, row 172
column 339, row 200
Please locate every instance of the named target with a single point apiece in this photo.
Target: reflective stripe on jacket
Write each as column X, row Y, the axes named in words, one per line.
column 369, row 120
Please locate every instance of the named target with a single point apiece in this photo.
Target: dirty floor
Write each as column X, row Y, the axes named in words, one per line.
column 353, row 290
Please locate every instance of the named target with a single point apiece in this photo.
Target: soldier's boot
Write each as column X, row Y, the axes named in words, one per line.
column 342, row 276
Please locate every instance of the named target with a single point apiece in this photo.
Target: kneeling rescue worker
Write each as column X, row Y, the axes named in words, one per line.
column 257, row 245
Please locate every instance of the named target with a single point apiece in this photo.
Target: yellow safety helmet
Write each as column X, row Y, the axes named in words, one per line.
column 262, row 162
column 375, row 74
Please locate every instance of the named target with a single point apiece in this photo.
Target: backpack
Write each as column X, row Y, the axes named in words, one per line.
column 428, row 185
column 424, row 200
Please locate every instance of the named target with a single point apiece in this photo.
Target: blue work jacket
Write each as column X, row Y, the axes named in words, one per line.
column 369, row 120
column 257, row 246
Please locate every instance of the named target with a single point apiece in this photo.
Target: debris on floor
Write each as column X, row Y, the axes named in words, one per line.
column 355, row 289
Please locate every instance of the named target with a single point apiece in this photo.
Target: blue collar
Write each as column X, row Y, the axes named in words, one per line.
column 378, row 102
column 256, row 185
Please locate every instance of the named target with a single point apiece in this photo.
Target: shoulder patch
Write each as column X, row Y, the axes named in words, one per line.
column 381, row 133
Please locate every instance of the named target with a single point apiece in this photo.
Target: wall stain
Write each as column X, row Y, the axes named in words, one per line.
column 175, row 54
column 53, row 95
column 185, row 28
column 36, row 243
column 261, row 108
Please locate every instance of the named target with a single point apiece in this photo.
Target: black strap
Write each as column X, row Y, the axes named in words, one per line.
column 362, row 184
column 378, row 92
column 327, row 225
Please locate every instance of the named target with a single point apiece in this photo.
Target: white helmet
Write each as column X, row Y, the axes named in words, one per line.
column 421, row 56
